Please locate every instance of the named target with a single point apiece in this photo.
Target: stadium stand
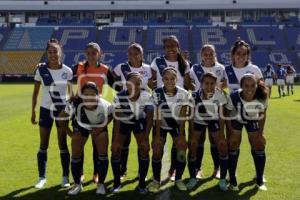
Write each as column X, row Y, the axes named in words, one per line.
column 270, row 44
column 33, row 38
column 19, row 62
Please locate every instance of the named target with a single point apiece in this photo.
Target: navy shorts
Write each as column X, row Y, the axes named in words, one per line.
column 46, row 117
column 163, row 132
column 212, row 125
column 138, row 127
column 83, row 131
column 251, row 126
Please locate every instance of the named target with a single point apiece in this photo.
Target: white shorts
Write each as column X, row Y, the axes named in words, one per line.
column 290, row 79
column 269, row 81
column 280, row 82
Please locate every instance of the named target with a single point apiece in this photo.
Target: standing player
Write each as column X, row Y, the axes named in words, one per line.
column 91, row 114
column 280, row 76
column 171, row 106
column 209, row 103
column 94, row 71
column 269, row 76
column 248, row 109
column 55, row 79
column 209, row 63
column 240, row 65
column 133, row 113
column 172, row 58
column 290, row 76
column 135, row 64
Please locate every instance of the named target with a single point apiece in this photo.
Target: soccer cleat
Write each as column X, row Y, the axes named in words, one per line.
column 262, row 187
column 180, row 185
column 216, row 174
column 101, row 189
column 115, row 189
column 75, row 189
column 154, row 186
column 65, row 182
column 223, row 185
column 82, row 179
column 123, row 175
column 264, row 179
column 95, row 178
column 141, row 190
column 234, row 188
column 172, row 175
column 41, row 183
column 191, row 183
column 199, row 175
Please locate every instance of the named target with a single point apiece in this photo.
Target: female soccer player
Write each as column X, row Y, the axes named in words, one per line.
column 171, row 106
column 91, row 115
column 55, row 79
column 281, row 76
column 209, row 103
column 240, row 65
column 94, row 71
column 290, row 76
column 134, row 64
column 248, row 109
column 173, row 58
column 133, row 113
column 269, row 76
column 208, row 63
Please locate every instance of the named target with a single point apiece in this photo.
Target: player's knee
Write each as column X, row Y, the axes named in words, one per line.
column 193, row 146
column 223, row 149
column 116, row 151
column 233, row 144
column 181, row 144
column 144, row 150
column 259, row 144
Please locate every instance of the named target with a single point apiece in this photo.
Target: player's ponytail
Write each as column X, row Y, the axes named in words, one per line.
column 182, row 64
column 262, row 92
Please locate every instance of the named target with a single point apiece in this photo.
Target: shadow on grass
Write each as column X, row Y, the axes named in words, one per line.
column 169, row 192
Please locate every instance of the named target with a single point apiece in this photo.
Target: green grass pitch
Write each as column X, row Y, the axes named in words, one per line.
column 19, row 142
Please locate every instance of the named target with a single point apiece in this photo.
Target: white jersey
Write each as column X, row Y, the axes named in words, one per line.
column 170, row 106
column 54, row 82
column 159, row 63
column 89, row 119
column 234, row 75
column 246, row 110
column 197, row 72
column 133, row 110
column 210, row 106
column 123, row 69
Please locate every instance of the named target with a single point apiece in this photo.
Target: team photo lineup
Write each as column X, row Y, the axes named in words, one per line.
column 150, row 111
column 135, row 110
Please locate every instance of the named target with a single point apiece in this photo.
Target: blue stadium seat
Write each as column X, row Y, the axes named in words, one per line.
column 4, row 32
column 155, row 36
column 75, row 38
column 263, row 38
column 33, row 38
column 112, row 39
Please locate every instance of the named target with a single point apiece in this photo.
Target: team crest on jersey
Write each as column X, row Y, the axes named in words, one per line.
column 64, row 76
column 218, row 72
column 249, row 72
